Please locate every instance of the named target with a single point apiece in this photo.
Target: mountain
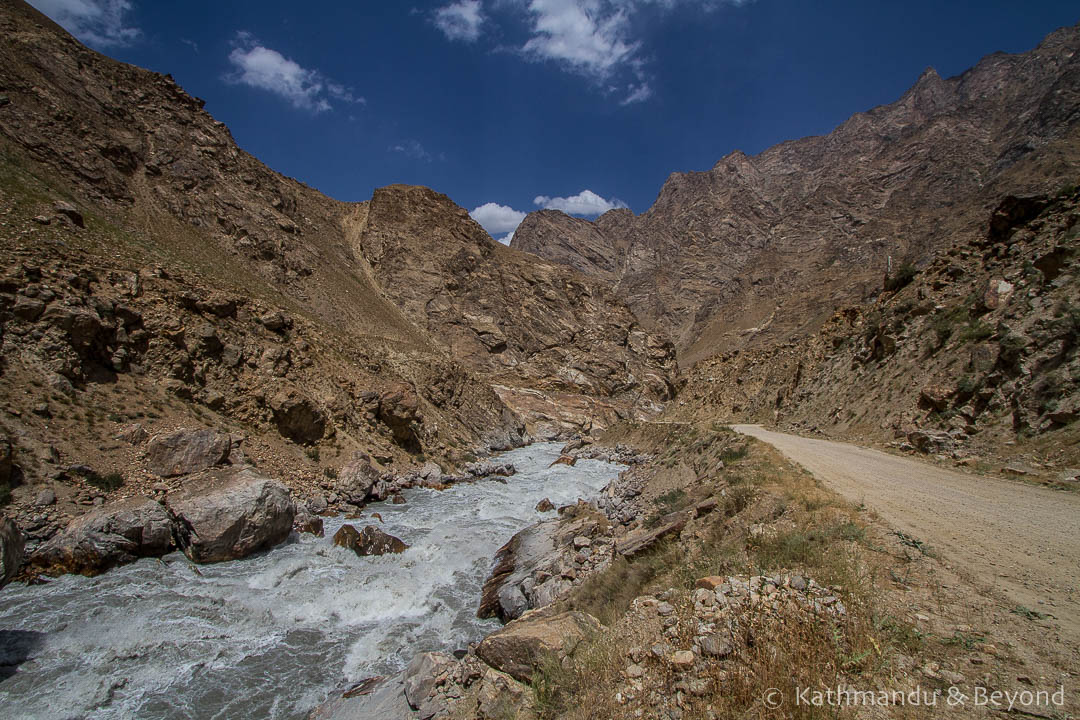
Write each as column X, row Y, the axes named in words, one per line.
column 975, row 357
column 156, row 274
column 761, row 249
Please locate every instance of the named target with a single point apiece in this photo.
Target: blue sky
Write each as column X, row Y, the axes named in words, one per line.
column 512, row 105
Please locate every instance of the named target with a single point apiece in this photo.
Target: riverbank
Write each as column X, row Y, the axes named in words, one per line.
column 271, row 635
column 779, row 586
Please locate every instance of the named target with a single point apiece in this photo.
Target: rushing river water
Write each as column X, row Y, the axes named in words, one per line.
column 271, row 635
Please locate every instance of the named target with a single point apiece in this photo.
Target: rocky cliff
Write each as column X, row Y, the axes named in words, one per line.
column 156, row 277
column 778, row 241
column 973, row 358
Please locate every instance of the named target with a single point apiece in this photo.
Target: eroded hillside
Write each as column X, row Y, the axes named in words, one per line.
column 157, row 275
column 973, row 356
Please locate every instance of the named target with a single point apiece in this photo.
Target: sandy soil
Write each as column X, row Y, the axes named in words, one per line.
column 1019, row 542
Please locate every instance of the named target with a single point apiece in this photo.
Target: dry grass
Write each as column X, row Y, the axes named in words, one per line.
column 813, row 533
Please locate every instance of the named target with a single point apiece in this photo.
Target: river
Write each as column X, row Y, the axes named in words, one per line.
column 270, row 636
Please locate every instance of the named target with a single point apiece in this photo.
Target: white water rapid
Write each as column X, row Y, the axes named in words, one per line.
column 271, row 635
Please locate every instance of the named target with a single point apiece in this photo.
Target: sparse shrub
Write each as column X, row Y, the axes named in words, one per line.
column 738, row 498
column 108, row 482
column 330, row 472
column 976, row 332
column 734, row 454
column 902, row 277
column 312, row 453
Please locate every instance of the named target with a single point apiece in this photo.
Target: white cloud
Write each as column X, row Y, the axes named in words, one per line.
column 597, row 39
column 587, row 36
column 585, row 202
column 498, row 219
column 100, row 23
column 461, row 20
column 637, row 93
column 411, row 149
column 267, row 69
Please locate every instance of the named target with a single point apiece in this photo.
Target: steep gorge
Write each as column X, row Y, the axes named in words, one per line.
column 156, row 274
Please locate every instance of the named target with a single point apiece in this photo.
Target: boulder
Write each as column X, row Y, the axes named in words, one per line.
column 487, row 468
column 298, row 418
column 935, row 397
column 382, row 698
column 306, row 522
column 357, row 479
column 568, row 460
column 421, row 674
column 11, row 550
column 545, row 505
column 522, row 646
column 515, row 561
column 399, row 410
column 112, row 535
column 501, row 696
column 45, row 498
column 369, row 541
column 187, row 451
column 928, row 441
column 575, row 443
column 229, row 513
column 69, row 211
column 670, row 524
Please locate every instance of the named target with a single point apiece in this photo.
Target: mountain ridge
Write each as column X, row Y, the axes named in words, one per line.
column 707, row 260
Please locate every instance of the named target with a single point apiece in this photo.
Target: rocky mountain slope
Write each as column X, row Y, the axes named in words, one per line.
column 778, row 241
column 974, row 357
column 158, row 277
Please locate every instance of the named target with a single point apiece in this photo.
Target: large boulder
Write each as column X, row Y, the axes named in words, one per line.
column 515, row 561
column 298, row 418
column 187, row 451
column 369, row 541
column 11, row 550
column 115, row 534
column 229, row 513
column 522, row 646
column 356, row 480
column 399, row 410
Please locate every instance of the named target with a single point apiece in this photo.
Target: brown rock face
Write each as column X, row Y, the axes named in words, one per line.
column 11, row 550
column 759, row 249
column 298, row 418
column 143, row 247
column 369, row 541
column 525, row 323
column 230, row 513
column 187, row 451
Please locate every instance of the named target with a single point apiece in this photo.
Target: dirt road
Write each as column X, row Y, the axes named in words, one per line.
column 1018, row 541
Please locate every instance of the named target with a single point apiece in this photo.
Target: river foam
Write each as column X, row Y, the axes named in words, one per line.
column 271, row 635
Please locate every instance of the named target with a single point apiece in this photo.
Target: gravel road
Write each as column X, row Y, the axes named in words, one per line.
column 1019, row 540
